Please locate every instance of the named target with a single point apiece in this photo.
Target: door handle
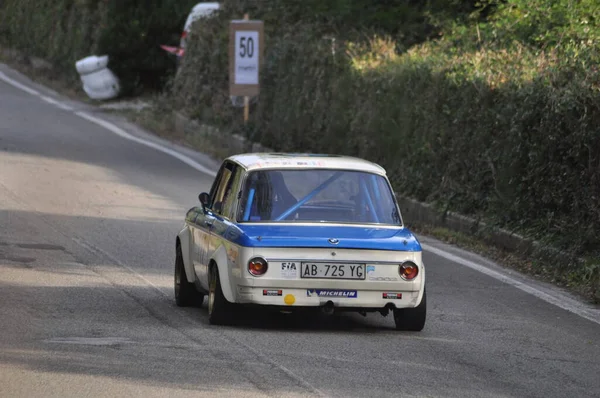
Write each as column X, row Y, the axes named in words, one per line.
column 208, row 223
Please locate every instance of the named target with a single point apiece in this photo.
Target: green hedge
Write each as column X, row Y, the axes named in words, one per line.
column 129, row 31
column 60, row 31
column 498, row 129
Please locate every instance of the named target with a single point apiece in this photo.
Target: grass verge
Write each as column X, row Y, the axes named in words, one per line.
column 583, row 281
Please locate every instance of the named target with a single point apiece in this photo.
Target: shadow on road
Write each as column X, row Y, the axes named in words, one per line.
column 308, row 320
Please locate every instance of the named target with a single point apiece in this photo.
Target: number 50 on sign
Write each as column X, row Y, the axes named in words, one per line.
column 245, row 57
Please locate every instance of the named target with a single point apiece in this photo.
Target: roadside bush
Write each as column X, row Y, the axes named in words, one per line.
column 407, row 21
column 60, row 31
column 129, row 31
column 504, row 130
column 132, row 33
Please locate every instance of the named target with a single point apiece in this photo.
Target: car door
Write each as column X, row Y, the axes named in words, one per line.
column 224, row 207
column 201, row 229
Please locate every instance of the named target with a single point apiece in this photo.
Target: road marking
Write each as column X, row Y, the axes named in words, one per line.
column 56, row 103
column 122, row 133
column 99, row 252
column 558, row 299
column 352, row 360
column 282, row 368
column 18, row 85
column 98, row 341
column 31, row 91
column 111, row 127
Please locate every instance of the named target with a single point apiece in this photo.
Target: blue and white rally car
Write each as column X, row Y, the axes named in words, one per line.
column 297, row 231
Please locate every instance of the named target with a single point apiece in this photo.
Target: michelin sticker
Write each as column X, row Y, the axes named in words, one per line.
column 289, row 270
column 332, row 293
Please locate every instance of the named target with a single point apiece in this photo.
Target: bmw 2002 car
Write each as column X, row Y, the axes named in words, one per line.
column 293, row 231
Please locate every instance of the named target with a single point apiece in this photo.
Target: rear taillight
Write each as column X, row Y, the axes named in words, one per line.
column 408, row 270
column 258, row 266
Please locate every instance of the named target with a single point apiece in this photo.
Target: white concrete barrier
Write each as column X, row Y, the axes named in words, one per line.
column 99, row 82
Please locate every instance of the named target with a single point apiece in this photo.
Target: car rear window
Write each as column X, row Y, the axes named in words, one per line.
column 317, row 195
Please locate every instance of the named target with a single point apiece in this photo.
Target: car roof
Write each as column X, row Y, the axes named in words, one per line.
column 256, row 161
column 206, row 5
column 200, row 10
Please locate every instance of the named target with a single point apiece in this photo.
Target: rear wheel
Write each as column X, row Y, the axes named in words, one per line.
column 412, row 319
column 185, row 292
column 220, row 310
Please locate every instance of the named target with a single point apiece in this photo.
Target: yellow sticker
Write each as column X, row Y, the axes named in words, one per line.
column 289, row 299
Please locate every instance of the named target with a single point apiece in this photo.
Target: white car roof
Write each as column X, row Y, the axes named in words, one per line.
column 200, row 10
column 256, row 161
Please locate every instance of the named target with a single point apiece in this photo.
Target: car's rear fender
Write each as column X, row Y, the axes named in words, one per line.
column 221, row 259
column 185, row 240
column 422, row 290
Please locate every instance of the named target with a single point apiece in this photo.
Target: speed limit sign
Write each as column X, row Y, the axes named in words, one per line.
column 245, row 57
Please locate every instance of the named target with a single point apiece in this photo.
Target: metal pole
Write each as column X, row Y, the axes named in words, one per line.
column 246, row 99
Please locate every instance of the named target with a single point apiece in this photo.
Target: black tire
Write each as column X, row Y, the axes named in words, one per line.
column 220, row 311
column 185, row 292
column 412, row 319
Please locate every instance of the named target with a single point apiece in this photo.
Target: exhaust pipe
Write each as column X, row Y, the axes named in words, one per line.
column 328, row 308
column 387, row 309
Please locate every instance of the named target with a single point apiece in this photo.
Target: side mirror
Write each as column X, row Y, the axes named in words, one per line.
column 204, row 199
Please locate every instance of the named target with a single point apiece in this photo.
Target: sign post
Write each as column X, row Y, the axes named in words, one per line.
column 246, row 47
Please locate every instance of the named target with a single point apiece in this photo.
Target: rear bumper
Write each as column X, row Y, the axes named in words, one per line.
column 283, row 283
column 340, row 298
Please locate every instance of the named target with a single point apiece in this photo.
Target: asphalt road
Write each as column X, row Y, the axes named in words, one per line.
column 88, row 222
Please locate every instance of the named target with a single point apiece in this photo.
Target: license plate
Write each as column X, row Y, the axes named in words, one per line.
column 332, row 271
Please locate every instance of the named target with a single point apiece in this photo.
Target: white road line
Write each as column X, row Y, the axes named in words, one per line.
column 31, row 91
column 122, row 133
column 18, row 85
column 112, row 128
column 56, row 103
column 558, row 299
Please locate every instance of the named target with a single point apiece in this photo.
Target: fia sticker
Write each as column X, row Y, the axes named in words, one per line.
column 289, row 270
